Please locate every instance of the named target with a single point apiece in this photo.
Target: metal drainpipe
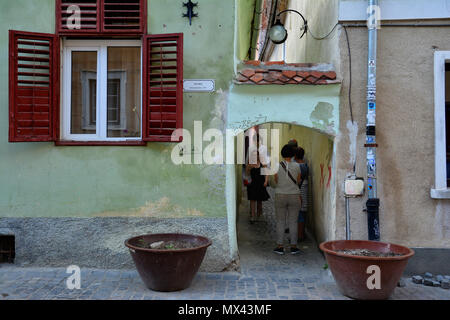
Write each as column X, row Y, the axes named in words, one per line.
column 373, row 203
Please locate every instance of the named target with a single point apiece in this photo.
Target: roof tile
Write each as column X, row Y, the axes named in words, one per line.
column 258, row 77
column 289, row 73
column 248, row 73
column 253, row 62
column 241, row 78
column 272, row 76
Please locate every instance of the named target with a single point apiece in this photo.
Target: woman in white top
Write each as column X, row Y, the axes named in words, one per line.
column 287, row 199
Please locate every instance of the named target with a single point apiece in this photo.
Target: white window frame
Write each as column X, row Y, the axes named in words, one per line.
column 101, row 47
column 440, row 190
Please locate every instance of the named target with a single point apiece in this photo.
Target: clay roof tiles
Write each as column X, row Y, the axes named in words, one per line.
column 280, row 73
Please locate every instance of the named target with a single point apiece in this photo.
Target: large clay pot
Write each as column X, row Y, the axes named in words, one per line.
column 168, row 270
column 351, row 272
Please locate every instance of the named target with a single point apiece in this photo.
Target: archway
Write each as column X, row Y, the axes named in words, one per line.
column 311, row 111
column 256, row 239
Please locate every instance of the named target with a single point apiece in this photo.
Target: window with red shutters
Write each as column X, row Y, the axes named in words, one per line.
column 163, row 86
column 128, row 17
column 34, row 72
column 34, row 86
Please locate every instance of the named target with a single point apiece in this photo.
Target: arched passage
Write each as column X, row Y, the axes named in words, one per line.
column 309, row 112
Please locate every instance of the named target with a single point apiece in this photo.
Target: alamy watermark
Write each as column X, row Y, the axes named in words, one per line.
column 209, row 147
column 73, row 282
column 74, row 19
column 374, row 281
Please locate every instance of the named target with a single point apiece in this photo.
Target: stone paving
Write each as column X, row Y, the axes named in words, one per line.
column 263, row 276
column 268, row 284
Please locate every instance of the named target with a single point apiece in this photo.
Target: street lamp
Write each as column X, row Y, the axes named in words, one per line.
column 278, row 33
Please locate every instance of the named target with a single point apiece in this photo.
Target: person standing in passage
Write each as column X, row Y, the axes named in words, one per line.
column 304, row 170
column 287, row 199
column 256, row 189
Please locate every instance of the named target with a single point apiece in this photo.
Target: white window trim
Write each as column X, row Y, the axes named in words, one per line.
column 440, row 190
column 101, row 47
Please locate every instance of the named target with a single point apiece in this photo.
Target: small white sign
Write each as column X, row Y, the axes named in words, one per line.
column 199, row 85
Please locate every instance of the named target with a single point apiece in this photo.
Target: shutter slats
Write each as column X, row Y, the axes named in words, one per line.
column 123, row 16
column 33, row 78
column 89, row 16
column 104, row 17
column 163, row 99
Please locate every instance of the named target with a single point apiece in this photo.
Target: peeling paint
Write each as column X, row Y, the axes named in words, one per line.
column 352, row 128
column 322, row 116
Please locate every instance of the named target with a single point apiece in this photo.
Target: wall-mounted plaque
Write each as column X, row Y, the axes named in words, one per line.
column 199, row 85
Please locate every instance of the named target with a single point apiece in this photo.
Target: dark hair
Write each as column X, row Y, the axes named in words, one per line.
column 293, row 143
column 287, row 151
column 300, row 153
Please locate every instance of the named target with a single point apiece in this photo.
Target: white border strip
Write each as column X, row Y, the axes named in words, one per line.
column 440, row 191
column 355, row 10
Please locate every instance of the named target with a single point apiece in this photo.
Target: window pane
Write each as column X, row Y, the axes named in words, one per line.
column 124, row 92
column 84, row 92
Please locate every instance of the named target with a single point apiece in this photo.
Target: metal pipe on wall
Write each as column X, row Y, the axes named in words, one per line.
column 348, row 235
column 373, row 203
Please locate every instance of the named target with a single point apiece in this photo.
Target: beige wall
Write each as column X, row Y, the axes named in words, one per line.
column 322, row 17
column 405, row 134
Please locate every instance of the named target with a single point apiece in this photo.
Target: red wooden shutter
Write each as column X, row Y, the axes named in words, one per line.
column 105, row 17
column 124, row 16
column 163, row 86
column 90, row 16
column 33, row 86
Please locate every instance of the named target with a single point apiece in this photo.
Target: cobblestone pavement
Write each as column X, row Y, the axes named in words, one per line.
column 265, row 283
column 263, row 275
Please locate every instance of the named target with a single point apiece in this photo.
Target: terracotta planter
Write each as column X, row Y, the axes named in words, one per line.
column 168, row 270
column 350, row 271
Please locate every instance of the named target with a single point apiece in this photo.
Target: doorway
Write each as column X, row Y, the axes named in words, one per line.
column 257, row 239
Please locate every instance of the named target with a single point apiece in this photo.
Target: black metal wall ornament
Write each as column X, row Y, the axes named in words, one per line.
column 190, row 11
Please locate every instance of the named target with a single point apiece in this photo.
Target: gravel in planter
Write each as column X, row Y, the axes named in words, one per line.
column 369, row 253
column 428, row 282
column 445, row 284
column 417, row 279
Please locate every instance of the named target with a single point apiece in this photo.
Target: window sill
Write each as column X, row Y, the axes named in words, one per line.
column 440, row 193
column 101, row 143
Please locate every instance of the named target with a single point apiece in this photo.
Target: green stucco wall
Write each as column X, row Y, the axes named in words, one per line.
column 245, row 9
column 42, row 180
column 310, row 106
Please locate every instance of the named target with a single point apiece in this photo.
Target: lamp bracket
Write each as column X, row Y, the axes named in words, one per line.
column 305, row 22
